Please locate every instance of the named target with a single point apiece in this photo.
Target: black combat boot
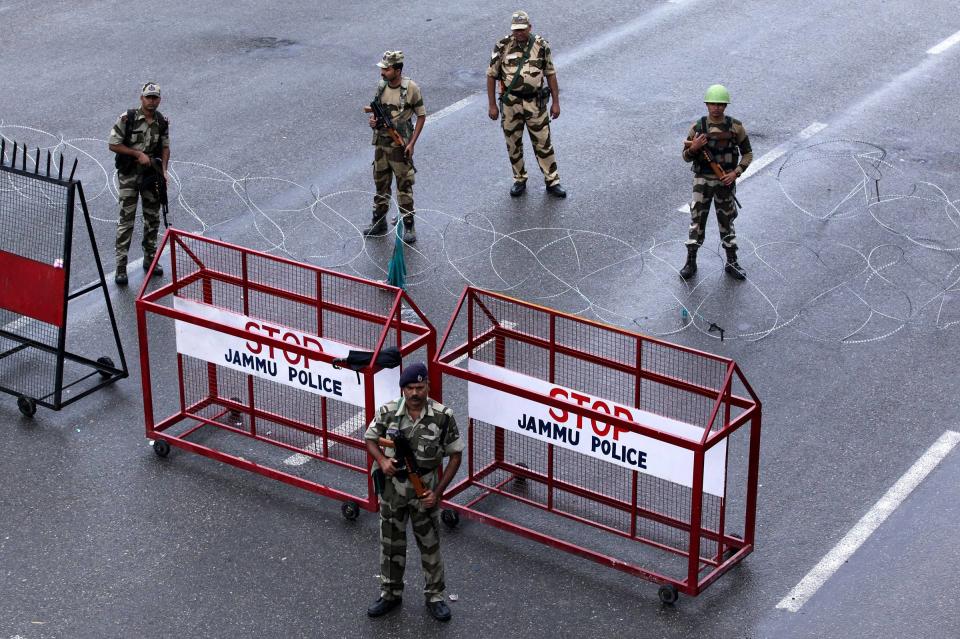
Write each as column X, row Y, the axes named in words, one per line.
column 157, row 272
column 690, row 268
column 120, row 277
column 376, row 227
column 733, row 269
column 517, row 189
column 409, row 233
column 556, row 190
column 382, row 606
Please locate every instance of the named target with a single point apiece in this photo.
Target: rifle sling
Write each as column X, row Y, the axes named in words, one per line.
column 516, row 76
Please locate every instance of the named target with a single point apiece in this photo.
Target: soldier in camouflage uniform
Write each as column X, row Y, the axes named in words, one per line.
column 727, row 141
column 139, row 138
column 401, row 98
column 520, row 62
column 432, row 431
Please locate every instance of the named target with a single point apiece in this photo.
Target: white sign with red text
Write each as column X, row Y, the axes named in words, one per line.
column 267, row 362
column 597, row 439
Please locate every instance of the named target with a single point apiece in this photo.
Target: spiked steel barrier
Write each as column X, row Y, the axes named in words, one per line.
column 43, row 356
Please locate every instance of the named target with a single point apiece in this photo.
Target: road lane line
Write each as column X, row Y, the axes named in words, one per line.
column 348, row 425
column 453, row 108
column 946, row 44
column 840, row 553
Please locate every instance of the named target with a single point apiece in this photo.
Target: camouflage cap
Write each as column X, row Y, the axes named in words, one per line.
column 519, row 20
column 150, row 88
column 390, row 58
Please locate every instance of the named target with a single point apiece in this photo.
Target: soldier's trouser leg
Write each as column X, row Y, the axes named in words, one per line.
column 394, row 511
column 151, row 223
column 403, row 169
column 703, row 193
column 512, row 120
column 382, row 178
column 128, row 193
column 538, row 128
column 726, row 208
column 426, row 530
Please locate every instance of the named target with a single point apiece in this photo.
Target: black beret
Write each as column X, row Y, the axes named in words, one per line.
column 413, row 374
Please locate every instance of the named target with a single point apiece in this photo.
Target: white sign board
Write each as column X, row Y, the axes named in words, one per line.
column 268, row 362
column 597, row 439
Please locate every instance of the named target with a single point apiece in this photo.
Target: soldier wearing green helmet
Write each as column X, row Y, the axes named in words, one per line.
column 718, row 149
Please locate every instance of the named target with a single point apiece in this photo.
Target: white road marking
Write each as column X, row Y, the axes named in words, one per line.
column 348, row 426
column 507, row 324
column 453, row 108
column 767, row 158
column 869, row 522
column 946, row 44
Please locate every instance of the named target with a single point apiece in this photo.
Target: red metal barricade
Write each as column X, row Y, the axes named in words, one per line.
column 590, row 438
column 255, row 340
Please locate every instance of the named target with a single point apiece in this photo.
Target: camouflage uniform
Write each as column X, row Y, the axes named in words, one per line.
column 399, row 501
column 730, row 146
column 389, row 158
column 143, row 137
column 524, row 104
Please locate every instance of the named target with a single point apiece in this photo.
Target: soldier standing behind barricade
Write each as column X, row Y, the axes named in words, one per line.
column 400, row 97
column 520, row 62
column 431, row 432
column 719, row 149
column 141, row 140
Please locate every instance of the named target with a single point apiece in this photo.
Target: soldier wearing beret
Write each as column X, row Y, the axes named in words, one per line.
column 141, row 139
column 432, row 433
column 521, row 62
column 401, row 98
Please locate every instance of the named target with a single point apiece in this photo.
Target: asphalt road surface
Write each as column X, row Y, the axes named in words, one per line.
column 848, row 326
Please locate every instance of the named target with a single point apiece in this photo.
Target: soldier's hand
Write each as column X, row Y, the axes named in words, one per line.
column 729, row 178
column 554, row 110
column 408, row 150
column 373, row 122
column 493, row 112
column 143, row 158
column 429, row 500
column 698, row 142
column 388, row 466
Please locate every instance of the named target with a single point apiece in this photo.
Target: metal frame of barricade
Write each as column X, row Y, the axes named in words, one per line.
column 36, row 261
column 290, row 298
column 508, row 473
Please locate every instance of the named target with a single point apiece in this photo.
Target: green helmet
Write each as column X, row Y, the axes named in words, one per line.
column 717, row 94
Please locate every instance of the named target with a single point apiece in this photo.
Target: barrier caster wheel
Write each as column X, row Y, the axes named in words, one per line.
column 450, row 518
column 161, row 447
column 27, row 406
column 350, row 510
column 106, row 361
column 668, row 595
column 520, row 479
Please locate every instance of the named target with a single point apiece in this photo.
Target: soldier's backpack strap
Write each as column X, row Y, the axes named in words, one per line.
column 404, row 85
column 128, row 126
column 516, row 76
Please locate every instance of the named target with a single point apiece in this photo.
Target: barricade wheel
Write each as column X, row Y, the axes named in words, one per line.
column 106, row 361
column 520, row 479
column 668, row 595
column 27, row 406
column 161, row 447
column 350, row 510
column 450, row 518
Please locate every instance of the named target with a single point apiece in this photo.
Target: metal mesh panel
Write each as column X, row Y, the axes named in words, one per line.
column 286, row 427
column 625, row 368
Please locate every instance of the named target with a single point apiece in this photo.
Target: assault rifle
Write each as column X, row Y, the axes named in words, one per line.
column 407, row 466
column 716, row 168
column 160, row 188
column 384, row 121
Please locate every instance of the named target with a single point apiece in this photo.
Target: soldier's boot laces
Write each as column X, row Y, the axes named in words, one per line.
column 690, row 268
column 733, row 268
column 377, row 227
